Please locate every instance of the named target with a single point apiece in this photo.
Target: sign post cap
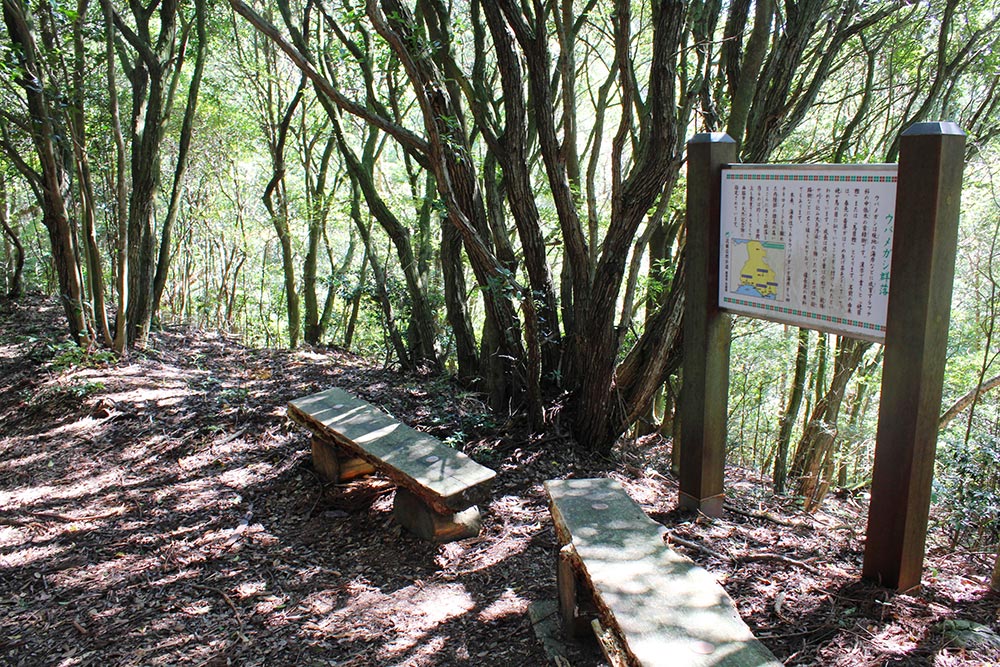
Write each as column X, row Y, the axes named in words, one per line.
column 712, row 138
column 939, row 127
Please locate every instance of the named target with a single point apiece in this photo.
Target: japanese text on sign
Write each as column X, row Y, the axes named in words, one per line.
column 808, row 246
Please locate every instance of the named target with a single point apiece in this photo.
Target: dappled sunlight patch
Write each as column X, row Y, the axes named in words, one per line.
column 248, row 589
column 311, row 356
column 194, row 495
column 162, row 396
column 415, row 611
column 197, row 608
column 21, row 462
column 73, row 487
column 27, row 556
column 85, row 426
column 416, row 653
column 119, row 568
column 180, row 576
column 239, row 478
column 508, row 604
column 10, row 535
column 268, row 605
column 140, row 451
column 319, row 603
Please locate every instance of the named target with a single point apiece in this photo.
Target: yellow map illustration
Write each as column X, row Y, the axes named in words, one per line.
column 756, row 274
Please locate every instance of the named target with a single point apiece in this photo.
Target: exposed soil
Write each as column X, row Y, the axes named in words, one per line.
column 161, row 510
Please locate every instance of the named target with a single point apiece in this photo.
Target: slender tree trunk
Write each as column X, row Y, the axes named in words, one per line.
column 456, row 304
column 88, row 205
column 814, row 452
column 316, row 207
column 152, row 94
column 966, row 400
column 183, row 149
column 791, row 413
column 279, row 213
column 378, row 271
column 52, row 184
column 16, row 268
column 352, row 320
column 120, row 204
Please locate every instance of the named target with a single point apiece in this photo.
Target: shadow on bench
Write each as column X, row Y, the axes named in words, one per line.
column 438, row 487
column 647, row 604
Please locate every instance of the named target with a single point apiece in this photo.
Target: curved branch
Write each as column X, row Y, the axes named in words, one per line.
column 417, row 146
column 965, row 401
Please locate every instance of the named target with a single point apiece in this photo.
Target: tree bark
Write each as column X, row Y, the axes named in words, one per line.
column 52, row 184
column 183, row 149
column 791, row 412
column 15, row 285
column 150, row 75
column 814, row 452
column 88, row 204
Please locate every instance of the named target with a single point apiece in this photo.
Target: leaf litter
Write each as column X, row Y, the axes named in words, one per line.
column 161, row 510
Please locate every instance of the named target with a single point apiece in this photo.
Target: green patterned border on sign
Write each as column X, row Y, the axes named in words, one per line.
column 828, row 178
column 774, row 308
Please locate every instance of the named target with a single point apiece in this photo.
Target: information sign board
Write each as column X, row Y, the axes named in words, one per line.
column 808, row 246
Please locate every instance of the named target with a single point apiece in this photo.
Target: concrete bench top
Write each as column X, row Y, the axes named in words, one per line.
column 446, row 478
column 669, row 611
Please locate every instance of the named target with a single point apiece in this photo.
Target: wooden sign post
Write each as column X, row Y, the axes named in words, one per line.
column 931, row 157
column 923, row 231
column 706, row 331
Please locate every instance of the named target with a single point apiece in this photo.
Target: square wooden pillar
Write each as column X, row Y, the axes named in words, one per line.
column 706, row 331
column 925, row 235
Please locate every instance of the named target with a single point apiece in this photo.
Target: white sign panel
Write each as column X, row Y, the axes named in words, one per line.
column 809, row 246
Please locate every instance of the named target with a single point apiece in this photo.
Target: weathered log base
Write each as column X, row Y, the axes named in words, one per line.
column 576, row 604
column 414, row 515
column 335, row 465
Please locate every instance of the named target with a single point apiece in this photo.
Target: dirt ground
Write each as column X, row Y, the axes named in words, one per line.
column 161, row 510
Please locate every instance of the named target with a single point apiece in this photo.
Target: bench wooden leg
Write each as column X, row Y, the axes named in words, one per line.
column 576, row 607
column 414, row 515
column 334, row 465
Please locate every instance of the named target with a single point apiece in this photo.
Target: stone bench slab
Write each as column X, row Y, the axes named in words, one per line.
column 668, row 610
column 444, row 477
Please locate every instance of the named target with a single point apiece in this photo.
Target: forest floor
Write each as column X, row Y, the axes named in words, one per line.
column 162, row 510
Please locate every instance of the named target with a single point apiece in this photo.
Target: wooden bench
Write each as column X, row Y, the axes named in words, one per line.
column 438, row 487
column 647, row 604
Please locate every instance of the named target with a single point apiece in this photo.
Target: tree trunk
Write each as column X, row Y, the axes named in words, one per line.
column 316, row 207
column 456, row 308
column 152, row 94
column 814, row 452
column 52, row 184
column 88, row 205
column 183, row 149
column 15, row 284
column 120, row 187
column 279, row 213
column 382, row 296
column 791, row 413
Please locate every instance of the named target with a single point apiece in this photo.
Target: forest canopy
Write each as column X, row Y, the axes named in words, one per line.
column 492, row 190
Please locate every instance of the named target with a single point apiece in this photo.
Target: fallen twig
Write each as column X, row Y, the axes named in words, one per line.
column 696, row 547
column 741, row 558
column 782, row 559
column 766, row 516
column 53, row 516
column 236, row 613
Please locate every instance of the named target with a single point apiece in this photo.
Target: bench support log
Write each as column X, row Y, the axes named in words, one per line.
column 576, row 606
column 414, row 515
column 334, row 464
